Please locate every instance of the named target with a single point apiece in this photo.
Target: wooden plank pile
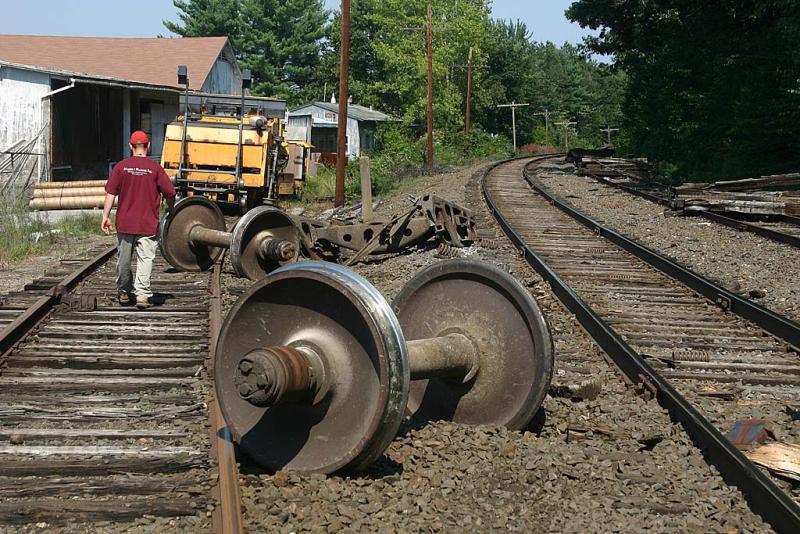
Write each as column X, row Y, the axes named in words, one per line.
column 766, row 195
column 636, row 169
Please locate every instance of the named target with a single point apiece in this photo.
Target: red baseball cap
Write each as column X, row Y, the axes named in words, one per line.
column 139, row 138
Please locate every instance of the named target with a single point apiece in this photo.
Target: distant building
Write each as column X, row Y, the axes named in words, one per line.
column 80, row 97
column 317, row 123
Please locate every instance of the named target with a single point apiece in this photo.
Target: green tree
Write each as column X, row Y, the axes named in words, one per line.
column 560, row 80
column 208, row 18
column 389, row 63
column 280, row 42
column 365, row 67
column 713, row 85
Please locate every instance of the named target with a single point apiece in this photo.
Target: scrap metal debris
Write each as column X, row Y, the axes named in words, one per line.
column 767, row 195
column 749, row 432
column 429, row 216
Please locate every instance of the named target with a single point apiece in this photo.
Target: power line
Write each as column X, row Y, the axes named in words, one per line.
column 608, row 131
column 429, row 29
column 546, row 114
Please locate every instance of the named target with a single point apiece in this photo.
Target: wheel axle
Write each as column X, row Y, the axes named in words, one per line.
column 314, row 367
column 195, row 236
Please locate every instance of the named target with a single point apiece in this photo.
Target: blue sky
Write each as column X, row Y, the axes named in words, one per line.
column 142, row 18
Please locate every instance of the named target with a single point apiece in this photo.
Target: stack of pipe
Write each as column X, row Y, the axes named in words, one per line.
column 68, row 195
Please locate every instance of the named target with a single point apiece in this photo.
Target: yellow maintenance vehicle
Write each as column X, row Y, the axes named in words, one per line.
column 231, row 149
column 227, row 148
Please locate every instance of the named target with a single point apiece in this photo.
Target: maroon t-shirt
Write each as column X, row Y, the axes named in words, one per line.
column 139, row 182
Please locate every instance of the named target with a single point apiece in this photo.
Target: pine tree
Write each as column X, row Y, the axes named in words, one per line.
column 279, row 41
column 207, row 18
column 714, row 86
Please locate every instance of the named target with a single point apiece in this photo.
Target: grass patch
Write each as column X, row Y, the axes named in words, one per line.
column 83, row 225
column 25, row 233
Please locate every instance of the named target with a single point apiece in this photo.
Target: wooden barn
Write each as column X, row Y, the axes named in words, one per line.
column 68, row 104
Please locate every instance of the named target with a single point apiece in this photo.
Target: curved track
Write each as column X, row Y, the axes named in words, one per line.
column 709, row 367
column 104, row 414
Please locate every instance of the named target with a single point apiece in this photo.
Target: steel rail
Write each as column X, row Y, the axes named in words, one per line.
column 771, row 322
column 745, row 226
column 632, row 190
column 763, row 495
column 18, row 329
column 227, row 517
column 742, row 226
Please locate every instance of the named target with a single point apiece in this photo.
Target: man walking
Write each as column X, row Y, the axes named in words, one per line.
column 139, row 182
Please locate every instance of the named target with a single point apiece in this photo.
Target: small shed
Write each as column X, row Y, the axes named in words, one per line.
column 71, row 102
column 317, row 123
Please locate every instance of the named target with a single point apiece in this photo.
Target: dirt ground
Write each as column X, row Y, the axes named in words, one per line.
column 14, row 276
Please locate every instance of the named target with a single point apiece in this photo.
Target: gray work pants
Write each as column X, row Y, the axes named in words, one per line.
column 145, row 253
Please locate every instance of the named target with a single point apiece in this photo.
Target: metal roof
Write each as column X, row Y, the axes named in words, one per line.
column 354, row 111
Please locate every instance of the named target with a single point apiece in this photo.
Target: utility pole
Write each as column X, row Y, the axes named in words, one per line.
column 608, row 132
column 470, row 66
column 566, row 125
column 513, row 106
column 341, row 137
column 429, row 29
column 546, row 114
column 429, row 38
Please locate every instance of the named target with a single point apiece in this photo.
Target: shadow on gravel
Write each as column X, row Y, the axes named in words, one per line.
column 382, row 468
column 537, row 423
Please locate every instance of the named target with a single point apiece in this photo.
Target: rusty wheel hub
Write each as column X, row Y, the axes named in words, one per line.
column 263, row 240
column 312, row 373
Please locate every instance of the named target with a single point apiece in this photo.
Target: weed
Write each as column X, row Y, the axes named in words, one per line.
column 24, row 233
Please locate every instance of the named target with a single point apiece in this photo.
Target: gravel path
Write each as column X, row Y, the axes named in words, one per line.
column 599, row 460
column 745, row 263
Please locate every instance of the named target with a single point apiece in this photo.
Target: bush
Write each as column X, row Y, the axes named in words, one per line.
column 21, row 233
column 400, row 156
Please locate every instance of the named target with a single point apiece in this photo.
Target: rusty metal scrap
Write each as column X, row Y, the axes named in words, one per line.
column 748, row 432
column 429, row 216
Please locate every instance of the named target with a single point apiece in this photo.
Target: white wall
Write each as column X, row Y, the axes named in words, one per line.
column 354, row 139
column 297, row 129
column 21, row 115
column 21, row 94
column 323, row 115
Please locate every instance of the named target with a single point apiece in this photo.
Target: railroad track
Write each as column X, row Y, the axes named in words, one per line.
column 780, row 228
column 708, row 366
column 104, row 410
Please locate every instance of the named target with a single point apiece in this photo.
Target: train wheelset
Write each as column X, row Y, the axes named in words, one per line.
column 195, row 237
column 315, row 371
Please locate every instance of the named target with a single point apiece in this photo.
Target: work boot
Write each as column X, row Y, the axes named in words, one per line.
column 143, row 302
column 124, row 299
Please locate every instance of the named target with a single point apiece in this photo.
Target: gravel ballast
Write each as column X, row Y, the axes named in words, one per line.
column 597, row 458
column 753, row 266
